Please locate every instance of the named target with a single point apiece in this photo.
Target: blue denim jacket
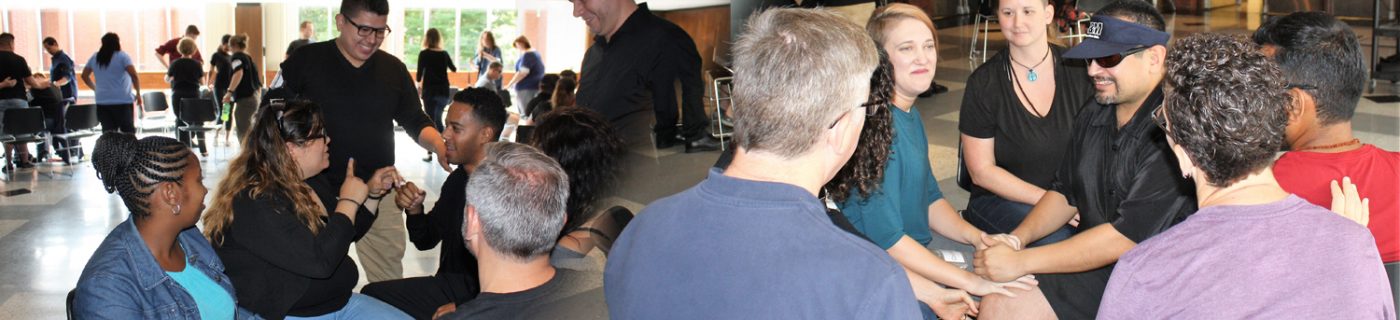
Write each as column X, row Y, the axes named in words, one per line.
column 123, row 281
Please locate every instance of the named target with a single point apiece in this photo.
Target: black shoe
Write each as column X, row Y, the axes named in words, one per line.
column 665, row 142
column 705, row 143
column 25, row 164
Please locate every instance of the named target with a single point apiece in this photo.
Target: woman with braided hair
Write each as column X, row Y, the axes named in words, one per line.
column 154, row 265
column 285, row 244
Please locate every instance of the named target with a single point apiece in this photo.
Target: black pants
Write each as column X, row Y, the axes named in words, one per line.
column 53, row 121
column 116, row 117
column 184, row 136
column 693, row 115
column 421, row 296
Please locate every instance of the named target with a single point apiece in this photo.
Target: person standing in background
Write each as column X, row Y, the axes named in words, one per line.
column 14, row 76
column 168, row 52
column 116, row 80
column 220, row 73
column 308, row 30
column 529, row 69
column 245, row 81
column 433, row 63
column 487, row 52
column 186, row 76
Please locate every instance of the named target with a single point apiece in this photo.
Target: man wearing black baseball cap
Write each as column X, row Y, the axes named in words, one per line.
column 1119, row 180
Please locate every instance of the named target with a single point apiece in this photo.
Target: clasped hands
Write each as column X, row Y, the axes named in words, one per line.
column 996, row 258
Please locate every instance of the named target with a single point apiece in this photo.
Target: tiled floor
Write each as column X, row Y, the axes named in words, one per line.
column 47, row 236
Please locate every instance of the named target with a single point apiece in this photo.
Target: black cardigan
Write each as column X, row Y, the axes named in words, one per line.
column 274, row 259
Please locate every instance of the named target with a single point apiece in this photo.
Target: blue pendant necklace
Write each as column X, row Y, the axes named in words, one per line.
column 1030, row 75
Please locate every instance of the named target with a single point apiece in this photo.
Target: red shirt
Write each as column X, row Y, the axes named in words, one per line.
column 1376, row 173
column 169, row 48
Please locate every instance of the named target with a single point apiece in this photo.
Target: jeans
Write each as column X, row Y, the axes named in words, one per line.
column 361, row 307
column 116, row 117
column 434, row 105
column 995, row 215
column 53, row 120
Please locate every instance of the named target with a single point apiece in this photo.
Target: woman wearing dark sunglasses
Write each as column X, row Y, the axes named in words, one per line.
column 284, row 245
column 1017, row 115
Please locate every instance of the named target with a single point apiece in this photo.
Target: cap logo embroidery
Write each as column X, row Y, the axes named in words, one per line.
column 1095, row 30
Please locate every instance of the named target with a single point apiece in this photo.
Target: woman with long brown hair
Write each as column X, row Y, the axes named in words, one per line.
column 433, row 63
column 487, row 52
column 284, row 243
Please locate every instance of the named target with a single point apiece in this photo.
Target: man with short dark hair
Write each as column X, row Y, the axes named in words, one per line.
column 1323, row 61
column 61, row 73
column 474, row 119
column 14, row 77
column 515, row 209
column 363, row 91
column 307, row 30
column 1119, row 179
column 633, row 65
column 168, row 52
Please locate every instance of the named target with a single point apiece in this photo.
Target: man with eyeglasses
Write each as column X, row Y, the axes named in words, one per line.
column 362, row 92
column 1119, row 179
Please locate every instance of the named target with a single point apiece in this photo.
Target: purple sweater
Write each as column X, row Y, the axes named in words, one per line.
column 1283, row 260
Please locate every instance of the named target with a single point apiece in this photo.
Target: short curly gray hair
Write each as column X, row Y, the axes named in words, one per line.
column 1226, row 105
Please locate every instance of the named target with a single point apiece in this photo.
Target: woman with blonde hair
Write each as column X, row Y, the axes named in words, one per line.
column 1017, row 114
column 907, row 207
column 487, row 52
column 284, row 241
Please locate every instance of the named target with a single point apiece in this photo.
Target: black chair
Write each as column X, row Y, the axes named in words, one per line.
column 80, row 122
column 198, row 115
column 23, row 125
column 155, row 114
column 964, row 177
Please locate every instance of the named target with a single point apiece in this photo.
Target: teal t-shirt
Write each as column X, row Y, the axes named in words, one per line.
column 900, row 207
column 211, row 299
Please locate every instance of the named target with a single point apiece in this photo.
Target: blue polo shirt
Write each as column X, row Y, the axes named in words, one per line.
column 63, row 68
column 730, row 248
column 900, row 207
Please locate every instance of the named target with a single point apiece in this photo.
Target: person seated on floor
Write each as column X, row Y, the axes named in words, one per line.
column 539, row 105
column 1323, row 63
column 1252, row 247
column 285, row 244
column 1117, row 177
column 1016, row 117
column 908, row 207
column 516, row 203
column 753, row 240
column 591, row 154
column 474, row 119
column 491, row 79
column 50, row 98
column 156, row 264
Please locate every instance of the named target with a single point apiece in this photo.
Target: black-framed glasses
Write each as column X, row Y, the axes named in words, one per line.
column 870, row 110
column 1114, row 60
column 1159, row 116
column 365, row 31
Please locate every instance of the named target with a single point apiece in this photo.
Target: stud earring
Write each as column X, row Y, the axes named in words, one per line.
column 177, row 209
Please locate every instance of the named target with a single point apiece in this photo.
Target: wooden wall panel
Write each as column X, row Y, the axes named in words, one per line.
column 709, row 27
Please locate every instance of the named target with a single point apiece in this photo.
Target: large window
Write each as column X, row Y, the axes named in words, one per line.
column 79, row 31
column 461, row 30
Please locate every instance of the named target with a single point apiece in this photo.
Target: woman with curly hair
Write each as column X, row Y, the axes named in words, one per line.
column 899, row 206
column 284, row 241
column 154, row 265
column 1224, row 117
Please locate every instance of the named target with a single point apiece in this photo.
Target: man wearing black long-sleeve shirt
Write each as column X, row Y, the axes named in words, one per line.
column 633, row 65
column 475, row 118
column 362, row 92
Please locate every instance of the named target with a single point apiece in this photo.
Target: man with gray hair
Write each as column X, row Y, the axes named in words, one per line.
column 515, row 209
column 753, row 241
